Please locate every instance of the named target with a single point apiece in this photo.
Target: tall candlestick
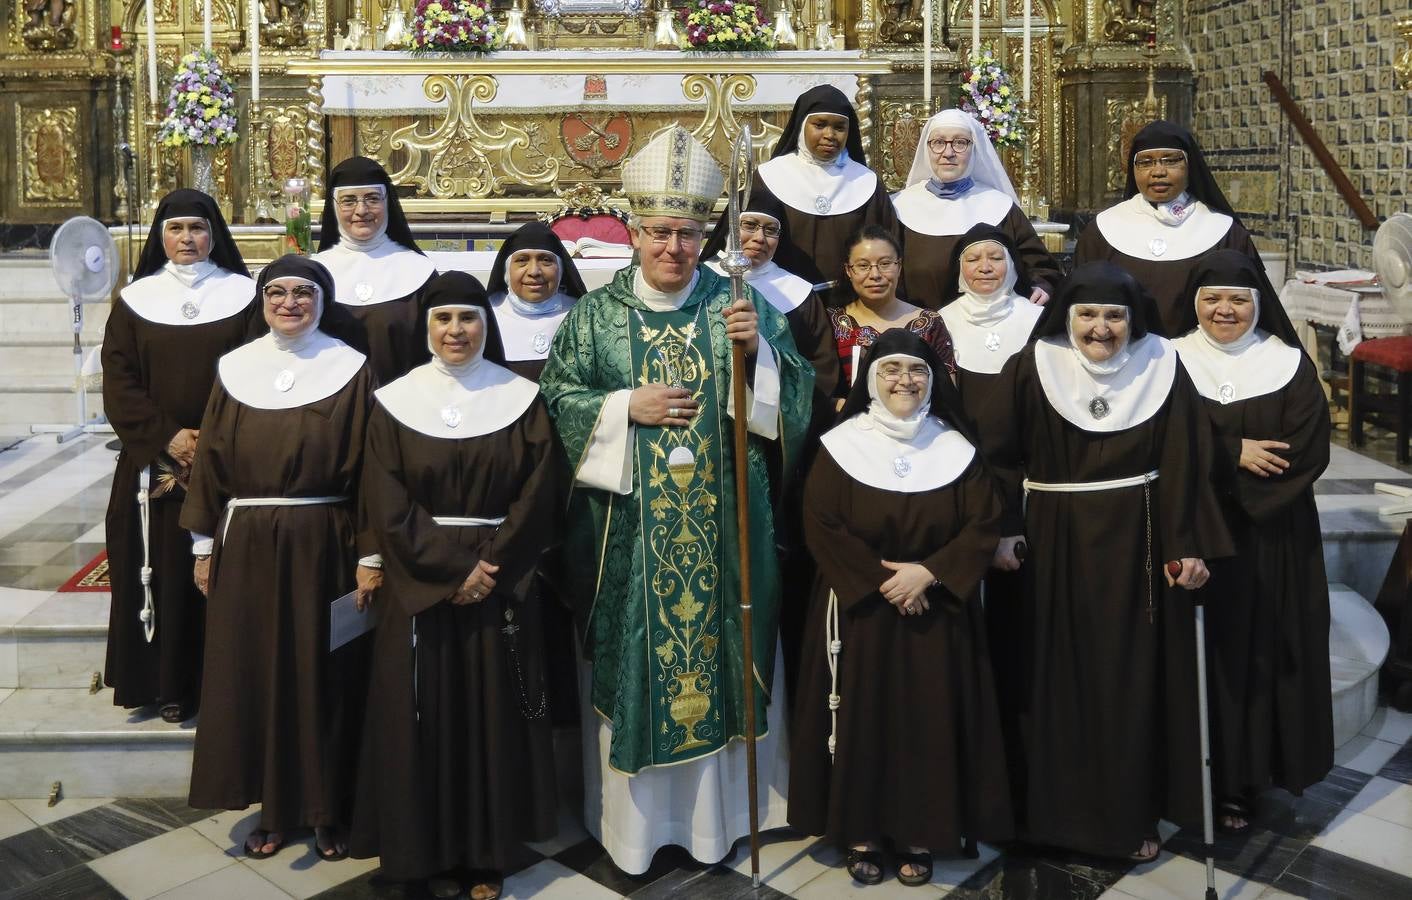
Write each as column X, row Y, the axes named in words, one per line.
column 255, row 52
column 927, row 54
column 975, row 26
column 151, row 54
column 206, row 27
column 1029, row 14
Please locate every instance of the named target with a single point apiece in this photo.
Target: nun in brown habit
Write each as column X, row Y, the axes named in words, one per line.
column 896, row 730
column 1116, row 452
column 271, row 511
column 532, row 285
column 1267, row 617
column 367, row 246
column 460, row 488
column 191, row 301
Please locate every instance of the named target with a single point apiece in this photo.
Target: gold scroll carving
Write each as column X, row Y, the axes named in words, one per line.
column 49, row 144
column 1126, row 118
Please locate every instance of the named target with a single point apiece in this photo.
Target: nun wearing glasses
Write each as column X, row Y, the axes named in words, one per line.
column 1268, row 617
column 897, row 741
column 1116, row 452
column 191, row 301
column 367, row 246
column 460, row 488
column 956, row 183
column 1174, row 214
column 271, row 509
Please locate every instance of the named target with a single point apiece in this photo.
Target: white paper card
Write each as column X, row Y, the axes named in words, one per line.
column 345, row 622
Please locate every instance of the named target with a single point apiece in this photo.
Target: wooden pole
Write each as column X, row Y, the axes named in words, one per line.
column 1326, row 159
column 737, row 264
column 742, row 530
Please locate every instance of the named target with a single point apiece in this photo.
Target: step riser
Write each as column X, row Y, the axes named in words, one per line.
column 50, row 319
column 1354, row 707
column 18, row 408
column 51, row 361
column 95, row 769
column 58, row 662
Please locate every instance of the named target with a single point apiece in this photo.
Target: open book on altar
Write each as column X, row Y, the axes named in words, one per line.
column 593, row 248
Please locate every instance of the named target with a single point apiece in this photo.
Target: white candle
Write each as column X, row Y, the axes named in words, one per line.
column 254, row 52
column 206, row 26
column 927, row 54
column 975, row 26
column 151, row 54
column 1029, row 14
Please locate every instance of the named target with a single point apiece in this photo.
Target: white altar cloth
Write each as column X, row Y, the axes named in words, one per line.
column 595, row 272
column 537, row 81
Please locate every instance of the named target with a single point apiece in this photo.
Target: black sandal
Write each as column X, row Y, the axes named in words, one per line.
column 258, row 851
column 330, row 851
column 173, row 713
column 1233, row 809
column 921, row 864
column 859, row 858
column 1139, row 857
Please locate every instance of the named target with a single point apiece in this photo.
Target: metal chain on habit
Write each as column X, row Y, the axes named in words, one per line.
column 1147, row 514
column 510, row 630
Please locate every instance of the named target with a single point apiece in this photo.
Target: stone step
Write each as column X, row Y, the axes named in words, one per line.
column 44, row 356
column 40, row 400
column 1358, row 645
column 90, row 747
column 50, row 317
column 61, row 644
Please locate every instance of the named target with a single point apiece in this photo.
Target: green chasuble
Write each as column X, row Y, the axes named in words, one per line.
column 654, row 574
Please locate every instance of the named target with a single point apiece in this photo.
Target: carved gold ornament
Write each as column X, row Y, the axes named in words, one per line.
column 49, row 145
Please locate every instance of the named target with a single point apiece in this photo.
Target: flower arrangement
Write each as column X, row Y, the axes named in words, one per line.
column 988, row 93
column 463, row 26
column 726, row 25
column 200, row 106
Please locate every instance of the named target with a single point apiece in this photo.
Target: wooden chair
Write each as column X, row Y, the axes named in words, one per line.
column 1388, row 360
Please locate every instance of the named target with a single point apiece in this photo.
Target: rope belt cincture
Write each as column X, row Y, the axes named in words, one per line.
column 468, row 521
column 1145, row 481
column 237, row 502
column 148, row 613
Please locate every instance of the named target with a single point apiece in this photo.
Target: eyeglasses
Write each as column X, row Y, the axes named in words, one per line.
column 882, row 267
column 748, row 227
column 916, row 373
column 371, row 201
column 661, row 234
column 303, row 295
column 1143, row 163
column 960, row 145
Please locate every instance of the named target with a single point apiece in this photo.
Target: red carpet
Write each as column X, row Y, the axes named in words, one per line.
column 92, row 577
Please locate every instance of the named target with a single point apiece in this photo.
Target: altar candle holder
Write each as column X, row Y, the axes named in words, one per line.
column 115, row 39
column 1149, row 104
column 785, row 36
column 298, row 223
column 1029, row 174
column 260, row 209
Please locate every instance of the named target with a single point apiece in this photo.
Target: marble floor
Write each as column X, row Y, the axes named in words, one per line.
column 1349, row 837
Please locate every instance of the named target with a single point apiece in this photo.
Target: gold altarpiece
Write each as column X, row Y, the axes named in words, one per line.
column 68, row 108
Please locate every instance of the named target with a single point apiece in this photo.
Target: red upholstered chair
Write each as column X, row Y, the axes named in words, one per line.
column 1387, row 360
column 588, row 213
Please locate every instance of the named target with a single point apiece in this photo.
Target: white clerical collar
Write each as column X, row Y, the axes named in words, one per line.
column 982, row 343
column 785, row 290
column 387, row 271
column 819, row 190
column 274, row 372
column 1111, row 402
column 1134, row 228
column 1253, row 365
column 934, row 457
column 926, row 213
column 527, row 337
column 662, row 301
column 166, row 298
column 455, row 402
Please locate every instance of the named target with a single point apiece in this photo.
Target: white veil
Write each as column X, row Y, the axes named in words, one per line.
column 986, row 169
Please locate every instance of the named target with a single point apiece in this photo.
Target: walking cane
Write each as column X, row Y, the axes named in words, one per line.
column 1208, row 825
column 736, row 264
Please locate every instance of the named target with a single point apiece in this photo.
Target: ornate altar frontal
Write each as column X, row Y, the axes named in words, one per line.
column 515, row 131
column 479, row 138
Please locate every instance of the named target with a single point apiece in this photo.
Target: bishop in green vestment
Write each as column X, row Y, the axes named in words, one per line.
column 638, row 383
